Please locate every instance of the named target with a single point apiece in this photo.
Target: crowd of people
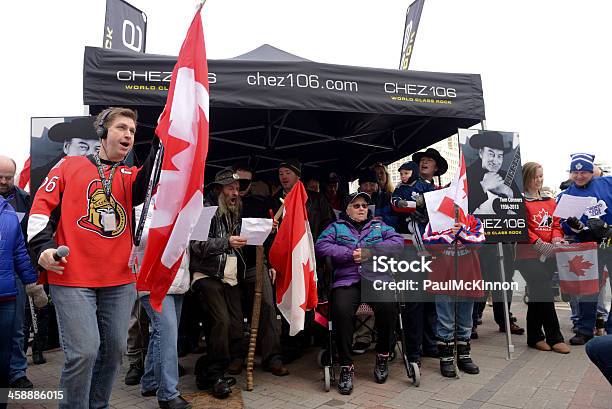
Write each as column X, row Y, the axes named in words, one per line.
column 91, row 204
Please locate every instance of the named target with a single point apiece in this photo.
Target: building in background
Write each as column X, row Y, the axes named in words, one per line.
column 606, row 167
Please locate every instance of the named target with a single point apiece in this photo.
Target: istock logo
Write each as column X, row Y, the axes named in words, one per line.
column 385, row 264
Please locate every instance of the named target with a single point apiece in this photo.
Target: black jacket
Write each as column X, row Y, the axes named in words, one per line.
column 477, row 196
column 209, row 257
column 20, row 201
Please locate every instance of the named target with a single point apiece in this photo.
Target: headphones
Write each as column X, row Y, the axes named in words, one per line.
column 101, row 130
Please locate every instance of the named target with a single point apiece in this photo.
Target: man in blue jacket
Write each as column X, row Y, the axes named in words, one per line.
column 600, row 188
column 14, row 260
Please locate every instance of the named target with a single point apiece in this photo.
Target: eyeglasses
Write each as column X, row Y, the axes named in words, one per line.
column 358, row 205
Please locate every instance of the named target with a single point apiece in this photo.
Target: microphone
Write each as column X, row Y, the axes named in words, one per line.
column 62, row 251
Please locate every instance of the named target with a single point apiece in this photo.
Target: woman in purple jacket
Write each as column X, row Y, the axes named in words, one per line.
column 343, row 241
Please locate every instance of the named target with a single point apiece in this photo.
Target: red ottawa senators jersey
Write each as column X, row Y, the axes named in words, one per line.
column 98, row 258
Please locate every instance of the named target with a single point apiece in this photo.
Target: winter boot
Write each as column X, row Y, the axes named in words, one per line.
column 345, row 383
column 464, row 360
column 381, row 369
column 447, row 359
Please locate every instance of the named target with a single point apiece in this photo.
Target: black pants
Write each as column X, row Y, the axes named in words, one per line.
column 222, row 325
column 345, row 301
column 268, row 335
column 541, row 307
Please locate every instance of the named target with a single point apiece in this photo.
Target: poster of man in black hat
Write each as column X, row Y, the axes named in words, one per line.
column 54, row 138
column 494, row 176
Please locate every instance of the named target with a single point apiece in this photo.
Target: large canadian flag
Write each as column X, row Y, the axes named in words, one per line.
column 441, row 203
column 292, row 256
column 578, row 268
column 183, row 131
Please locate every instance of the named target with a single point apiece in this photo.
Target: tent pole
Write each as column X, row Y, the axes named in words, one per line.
column 502, row 270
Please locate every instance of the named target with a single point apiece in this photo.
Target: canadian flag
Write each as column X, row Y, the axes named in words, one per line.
column 578, row 269
column 183, row 131
column 24, row 176
column 441, row 203
column 292, row 256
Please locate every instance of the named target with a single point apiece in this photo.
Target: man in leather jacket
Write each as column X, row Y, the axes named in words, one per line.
column 216, row 266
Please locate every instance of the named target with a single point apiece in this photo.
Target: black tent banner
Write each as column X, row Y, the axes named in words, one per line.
column 495, row 183
column 268, row 104
column 413, row 16
column 125, row 27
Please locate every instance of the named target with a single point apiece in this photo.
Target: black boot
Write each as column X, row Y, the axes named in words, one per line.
column 381, row 369
column 133, row 375
column 345, row 383
column 447, row 359
column 464, row 360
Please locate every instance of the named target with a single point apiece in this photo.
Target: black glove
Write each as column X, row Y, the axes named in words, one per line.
column 575, row 224
column 598, row 227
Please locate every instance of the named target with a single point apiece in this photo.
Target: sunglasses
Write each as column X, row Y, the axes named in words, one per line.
column 358, row 205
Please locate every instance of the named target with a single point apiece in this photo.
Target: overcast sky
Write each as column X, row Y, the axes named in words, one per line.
column 544, row 64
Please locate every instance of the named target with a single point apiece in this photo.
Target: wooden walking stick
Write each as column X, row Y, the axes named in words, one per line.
column 259, row 277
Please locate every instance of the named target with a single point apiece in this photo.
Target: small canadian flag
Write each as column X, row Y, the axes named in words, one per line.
column 578, row 269
column 441, row 203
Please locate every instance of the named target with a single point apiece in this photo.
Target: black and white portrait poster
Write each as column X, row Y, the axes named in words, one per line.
column 495, row 183
column 52, row 138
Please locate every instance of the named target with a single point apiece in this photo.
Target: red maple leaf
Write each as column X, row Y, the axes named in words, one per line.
column 308, row 272
column 578, row 265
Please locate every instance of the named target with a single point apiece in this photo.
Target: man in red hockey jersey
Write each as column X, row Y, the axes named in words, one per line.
column 85, row 203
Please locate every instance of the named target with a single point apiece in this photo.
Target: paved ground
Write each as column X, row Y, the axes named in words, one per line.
column 532, row 379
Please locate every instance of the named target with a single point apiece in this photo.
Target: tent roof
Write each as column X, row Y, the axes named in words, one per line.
column 267, row 52
column 268, row 105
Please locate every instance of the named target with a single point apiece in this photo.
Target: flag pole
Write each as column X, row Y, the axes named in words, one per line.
column 456, row 261
column 152, row 182
column 502, row 271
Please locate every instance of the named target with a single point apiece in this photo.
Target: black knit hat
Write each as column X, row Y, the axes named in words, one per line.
column 293, row 165
column 367, row 175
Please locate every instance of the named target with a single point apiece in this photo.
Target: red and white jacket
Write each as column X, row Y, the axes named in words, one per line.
column 541, row 225
column 67, row 210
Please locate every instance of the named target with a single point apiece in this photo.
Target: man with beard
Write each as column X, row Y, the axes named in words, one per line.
column 216, row 265
column 485, row 180
column 268, row 337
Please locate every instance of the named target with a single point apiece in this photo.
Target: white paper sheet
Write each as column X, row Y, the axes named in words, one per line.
column 202, row 227
column 20, row 216
column 372, row 208
column 255, row 230
column 573, row 206
column 438, row 221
